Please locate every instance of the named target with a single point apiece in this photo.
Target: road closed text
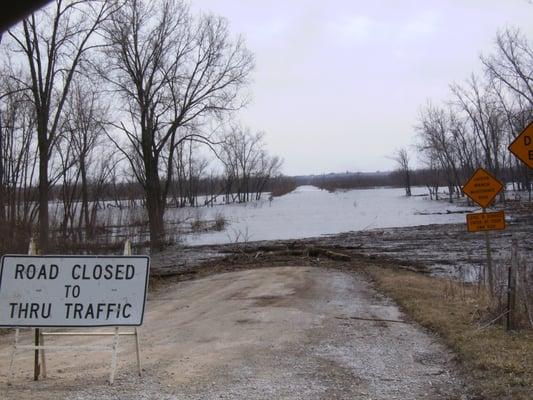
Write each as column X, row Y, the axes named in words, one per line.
column 72, row 291
column 79, row 271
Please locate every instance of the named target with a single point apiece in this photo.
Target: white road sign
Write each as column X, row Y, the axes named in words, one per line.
column 73, row 291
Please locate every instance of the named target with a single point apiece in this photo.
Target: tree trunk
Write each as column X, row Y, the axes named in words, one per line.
column 2, row 187
column 156, row 212
column 84, row 212
column 407, row 183
column 44, row 189
column 155, row 202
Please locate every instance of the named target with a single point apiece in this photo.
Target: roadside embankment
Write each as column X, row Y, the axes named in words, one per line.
column 499, row 363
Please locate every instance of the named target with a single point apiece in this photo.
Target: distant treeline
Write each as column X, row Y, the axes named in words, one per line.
column 195, row 192
column 432, row 179
column 210, row 190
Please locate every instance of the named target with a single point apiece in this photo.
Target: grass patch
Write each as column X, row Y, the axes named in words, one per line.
column 500, row 364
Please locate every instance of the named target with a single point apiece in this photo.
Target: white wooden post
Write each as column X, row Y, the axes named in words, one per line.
column 32, row 250
column 138, row 351
column 43, row 358
column 127, row 252
column 12, row 361
column 114, row 357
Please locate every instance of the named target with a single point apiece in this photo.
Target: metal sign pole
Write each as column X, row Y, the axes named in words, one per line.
column 511, row 284
column 489, row 259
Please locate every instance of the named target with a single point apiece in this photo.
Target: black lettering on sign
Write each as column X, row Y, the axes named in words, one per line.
column 18, row 271
column 527, row 140
column 126, row 306
column 97, row 271
column 120, row 272
column 98, row 311
column 107, row 272
column 130, row 271
column 76, row 272
column 89, row 314
column 32, row 271
column 30, row 310
column 78, row 308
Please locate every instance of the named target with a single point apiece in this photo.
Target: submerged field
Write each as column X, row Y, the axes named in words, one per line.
column 305, row 212
column 310, row 212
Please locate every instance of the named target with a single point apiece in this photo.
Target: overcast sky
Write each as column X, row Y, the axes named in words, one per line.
column 338, row 84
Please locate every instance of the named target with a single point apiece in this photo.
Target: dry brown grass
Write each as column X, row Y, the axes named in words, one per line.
column 499, row 363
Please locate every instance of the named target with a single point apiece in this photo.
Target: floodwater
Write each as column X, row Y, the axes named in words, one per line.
column 309, row 211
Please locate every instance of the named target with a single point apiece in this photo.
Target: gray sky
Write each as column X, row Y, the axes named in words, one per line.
column 338, row 84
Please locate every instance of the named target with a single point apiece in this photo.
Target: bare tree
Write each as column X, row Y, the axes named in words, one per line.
column 437, row 141
column 512, row 64
column 478, row 102
column 84, row 128
column 485, row 115
column 17, row 162
column 247, row 165
column 173, row 72
column 401, row 156
column 189, row 170
column 268, row 167
column 54, row 43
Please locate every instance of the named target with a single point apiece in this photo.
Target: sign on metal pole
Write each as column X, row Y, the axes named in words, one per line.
column 73, row 291
column 486, row 221
column 482, row 187
column 522, row 146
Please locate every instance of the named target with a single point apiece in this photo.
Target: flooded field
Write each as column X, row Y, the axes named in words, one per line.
column 311, row 212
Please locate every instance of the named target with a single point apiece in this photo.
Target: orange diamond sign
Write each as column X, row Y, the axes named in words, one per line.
column 522, row 146
column 482, row 187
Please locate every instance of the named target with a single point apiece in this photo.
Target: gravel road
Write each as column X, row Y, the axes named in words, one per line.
column 275, row 333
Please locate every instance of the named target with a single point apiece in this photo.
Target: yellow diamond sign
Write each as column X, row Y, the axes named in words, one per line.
column 482, row 187
column 522, row 146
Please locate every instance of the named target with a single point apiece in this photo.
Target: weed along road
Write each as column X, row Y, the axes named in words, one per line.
column 290, row 332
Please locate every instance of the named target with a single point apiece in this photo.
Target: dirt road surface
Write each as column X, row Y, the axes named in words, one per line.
column 272, row 333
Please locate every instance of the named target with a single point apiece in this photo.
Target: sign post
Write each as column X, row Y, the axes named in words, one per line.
column 73, row 291
column 522, row 148
column 32, row 250
column 482, row 188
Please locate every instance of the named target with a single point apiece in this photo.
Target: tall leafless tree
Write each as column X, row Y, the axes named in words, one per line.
column 84, row 130
column 17, row 161
column 54, row 42
column 512, row 63
column 247, row 165
column 173, row 72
